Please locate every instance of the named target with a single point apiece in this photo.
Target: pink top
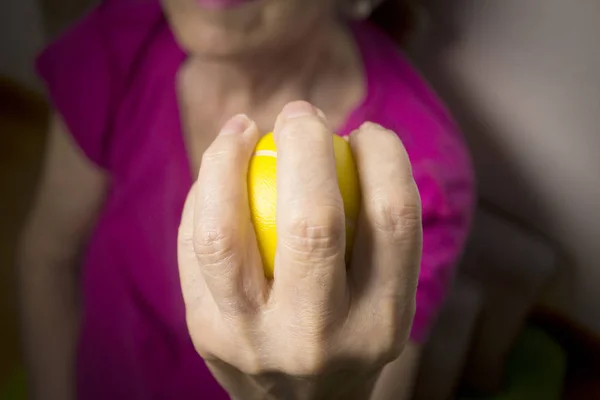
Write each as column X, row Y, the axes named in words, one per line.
column 112, row 77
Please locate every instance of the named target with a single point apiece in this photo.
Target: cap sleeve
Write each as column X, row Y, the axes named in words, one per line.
column 448, row 206
column 76, row 71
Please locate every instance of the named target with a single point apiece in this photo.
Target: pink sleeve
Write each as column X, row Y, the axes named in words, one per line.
column 447, row 212
column 76, row 70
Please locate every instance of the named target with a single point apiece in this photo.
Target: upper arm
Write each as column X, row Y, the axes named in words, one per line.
column 70, row 193
column 447, row 192
column 79, row 77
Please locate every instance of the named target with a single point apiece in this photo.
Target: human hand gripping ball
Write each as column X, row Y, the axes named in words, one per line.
column 326, row 324
column 262, row 195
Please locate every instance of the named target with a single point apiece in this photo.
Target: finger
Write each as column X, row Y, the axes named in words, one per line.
column 310, row 214
column 387, row 249
column 223, row 237
column 190, row 276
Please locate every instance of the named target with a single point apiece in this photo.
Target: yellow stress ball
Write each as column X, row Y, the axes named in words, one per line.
column 262, row 195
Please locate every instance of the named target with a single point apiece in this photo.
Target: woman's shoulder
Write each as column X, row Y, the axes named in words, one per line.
column 400, row 98
column 111, row 33
column 395, row 81
column 89, row 66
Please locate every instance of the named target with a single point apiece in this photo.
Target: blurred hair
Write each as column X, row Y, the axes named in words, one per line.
column 397, row 18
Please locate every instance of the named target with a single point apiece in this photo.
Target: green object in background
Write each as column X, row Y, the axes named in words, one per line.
column 536, row 369
column 15, row 388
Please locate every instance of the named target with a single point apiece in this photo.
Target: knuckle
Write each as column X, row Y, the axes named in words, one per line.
column 251, row 366
column 398, row 216
column 393, row 331
column 214, row 244
column 391, row 353
column 249, row 359
column 391, row 344
column 310, row 359
column 306, row 346
column 202, row 350
column 218, row 344
column 198, row 339
column 388, row 346
column 320, row 235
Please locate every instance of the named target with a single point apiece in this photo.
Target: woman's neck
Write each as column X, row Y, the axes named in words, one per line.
column 262, row 83
column 260, row 75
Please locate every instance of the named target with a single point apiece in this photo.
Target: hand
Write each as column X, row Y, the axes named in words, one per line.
column 319, row 329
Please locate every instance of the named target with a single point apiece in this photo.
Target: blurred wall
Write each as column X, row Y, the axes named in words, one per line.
column 57, row 14
column 21, row 37
column 522, row 77
column 25, row 25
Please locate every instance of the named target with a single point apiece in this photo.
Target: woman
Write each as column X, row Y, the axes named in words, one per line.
column 141, row 88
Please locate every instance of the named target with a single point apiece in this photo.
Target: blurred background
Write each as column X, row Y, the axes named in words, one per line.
column 521, row 77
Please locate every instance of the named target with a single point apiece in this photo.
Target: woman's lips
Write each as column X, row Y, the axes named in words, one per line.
column 221, row 4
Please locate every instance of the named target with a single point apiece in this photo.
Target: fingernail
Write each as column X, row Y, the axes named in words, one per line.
column 236, row 125
column 298, row 109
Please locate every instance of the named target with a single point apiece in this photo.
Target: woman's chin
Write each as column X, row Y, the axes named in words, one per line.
column 221, row 44
column 230, row 28
column 222, row 4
